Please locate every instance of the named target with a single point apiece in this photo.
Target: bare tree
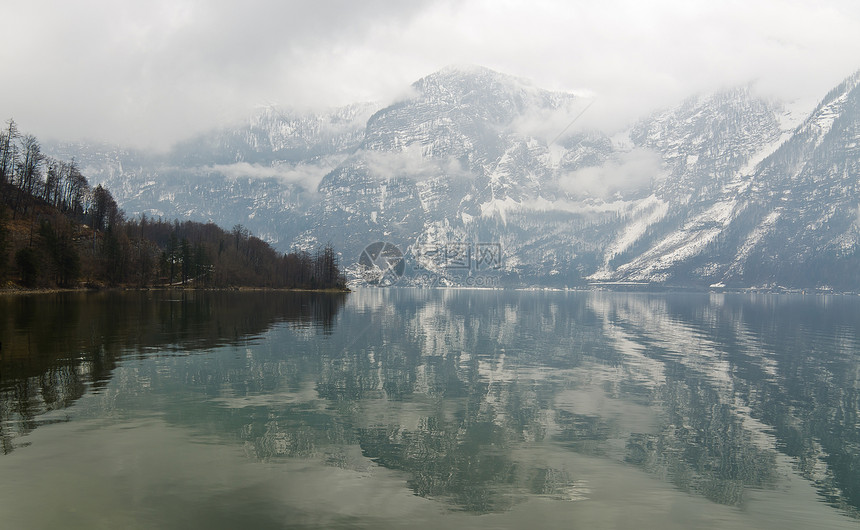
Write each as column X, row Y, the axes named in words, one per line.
column 30, row 165
column 29, row 169
column 7, row 152
column 52, row 181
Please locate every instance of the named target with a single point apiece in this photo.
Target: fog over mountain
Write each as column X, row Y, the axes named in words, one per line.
column 478, row 178
column 152, row 73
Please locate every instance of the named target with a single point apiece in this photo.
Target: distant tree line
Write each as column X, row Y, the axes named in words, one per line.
column 58, row 231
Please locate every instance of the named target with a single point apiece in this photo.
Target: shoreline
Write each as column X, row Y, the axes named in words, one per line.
column 17, row 290
column 5, row 291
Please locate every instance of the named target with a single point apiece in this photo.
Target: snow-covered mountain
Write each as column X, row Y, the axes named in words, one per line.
column 467, row 161
column 787, row 217
column 710, row 147
column 477, row 175
column 259, row 174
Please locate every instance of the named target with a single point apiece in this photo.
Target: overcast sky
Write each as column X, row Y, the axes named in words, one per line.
column 150, row 72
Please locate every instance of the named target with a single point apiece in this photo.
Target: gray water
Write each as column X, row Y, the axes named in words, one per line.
column 429, row 408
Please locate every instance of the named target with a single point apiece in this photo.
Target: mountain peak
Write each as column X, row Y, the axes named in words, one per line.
column 471, row 70
column 468, row 78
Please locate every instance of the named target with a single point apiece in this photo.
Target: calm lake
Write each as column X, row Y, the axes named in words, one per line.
column 427, row 408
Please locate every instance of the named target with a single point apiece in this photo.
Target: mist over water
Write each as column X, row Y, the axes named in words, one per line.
column 422, row 408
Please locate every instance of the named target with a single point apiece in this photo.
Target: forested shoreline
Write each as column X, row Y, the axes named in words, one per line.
column 57, row 231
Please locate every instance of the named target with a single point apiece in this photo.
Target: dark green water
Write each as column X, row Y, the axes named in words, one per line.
column 429, row 408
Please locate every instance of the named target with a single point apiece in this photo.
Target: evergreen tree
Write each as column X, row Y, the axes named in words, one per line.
column 201, row 265
column 4, row 243
column 172, row 256
column 186, row 260
column 104, row 209
column 28, row 266
column 113, row 256
column 63, row 258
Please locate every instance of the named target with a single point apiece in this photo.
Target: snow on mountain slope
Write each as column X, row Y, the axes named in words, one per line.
column 787, row 216
column 801, row 226
column 462, row 161
column 708, row 145
column 726, row 189
column 263, row 174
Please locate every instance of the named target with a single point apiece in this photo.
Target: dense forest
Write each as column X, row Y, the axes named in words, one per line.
column 58, row 231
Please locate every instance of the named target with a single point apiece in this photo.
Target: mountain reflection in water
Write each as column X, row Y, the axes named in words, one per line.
column 479, row 400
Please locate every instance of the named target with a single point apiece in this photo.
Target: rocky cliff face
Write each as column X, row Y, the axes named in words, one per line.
column 787, row 217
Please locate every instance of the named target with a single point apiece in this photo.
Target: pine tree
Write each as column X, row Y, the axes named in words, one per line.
column 4, row 244
column 186, row 260
column 28, row 266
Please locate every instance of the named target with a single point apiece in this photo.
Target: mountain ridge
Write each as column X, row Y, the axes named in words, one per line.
column 691, row 195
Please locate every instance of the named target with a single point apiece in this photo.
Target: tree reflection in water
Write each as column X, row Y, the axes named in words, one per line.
column 56, row 347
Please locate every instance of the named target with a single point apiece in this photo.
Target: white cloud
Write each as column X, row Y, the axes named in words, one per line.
column 624, row 173
column 151, row 72
column 410, row 163
column 551, row 124
column 308, row 176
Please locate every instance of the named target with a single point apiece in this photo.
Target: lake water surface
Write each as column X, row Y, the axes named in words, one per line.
column 429, row 408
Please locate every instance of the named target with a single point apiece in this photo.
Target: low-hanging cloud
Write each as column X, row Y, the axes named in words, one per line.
column 152, row 72
column 552, row 123
column 306, row 176
column 624, row 173
column 411, row 164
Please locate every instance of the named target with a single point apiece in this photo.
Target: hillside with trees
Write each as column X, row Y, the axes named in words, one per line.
column 56, row 231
